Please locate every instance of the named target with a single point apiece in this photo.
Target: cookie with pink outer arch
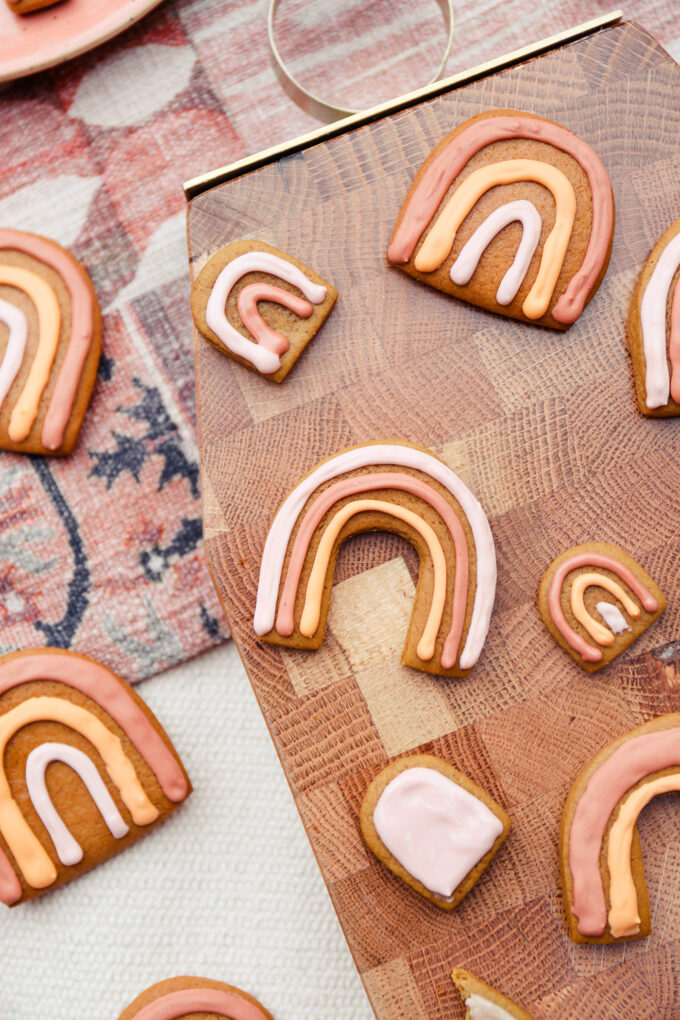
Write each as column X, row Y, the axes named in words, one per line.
column 595, row 600
column 260, row 306
column 432, row 826
column 482, row 1002
column 187, row 996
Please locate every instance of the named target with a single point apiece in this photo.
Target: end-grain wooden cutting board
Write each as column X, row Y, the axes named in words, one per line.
column 544, row 430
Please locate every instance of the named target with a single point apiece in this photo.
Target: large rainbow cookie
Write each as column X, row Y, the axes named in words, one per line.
column 512, row 213
column 386, row 486
column 581, row 598
column 601, row 858
column 51, row 326
column 189, row 996
column 654, row 329
column 432, row 826
column 87, row 771
column 482, row 1002
column 260, row 306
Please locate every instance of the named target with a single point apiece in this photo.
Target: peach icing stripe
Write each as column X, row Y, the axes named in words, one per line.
column 30, row 855
column 10, row 886
column 68, row 849
column 466, row 264
column 264, row 360
column 439, row 241
column 250, row 316
column 201, row 1000
column 591, row 559
column 17, row 324
column 107, row 690
column 624, row 918
column 82, row 327
column 635, row 759
column 364, row 483
column 311, row 611
column 49, row 324
column 445, row 167
column 601, row 634
column 373, row 455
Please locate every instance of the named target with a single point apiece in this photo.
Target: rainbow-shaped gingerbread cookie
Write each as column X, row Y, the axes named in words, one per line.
column 602, row 868
column 387, row 486
column 80, row 749
column 188, row 996
column 496, row 170
column 50, row 316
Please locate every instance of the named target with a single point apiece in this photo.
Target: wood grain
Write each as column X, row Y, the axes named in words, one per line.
column 544, row 429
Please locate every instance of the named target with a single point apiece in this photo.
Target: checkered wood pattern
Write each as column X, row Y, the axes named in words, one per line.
column 543, row 428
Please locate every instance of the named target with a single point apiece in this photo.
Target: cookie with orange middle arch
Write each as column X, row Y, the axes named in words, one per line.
column 432, row 826
column 482, row 1002
column 86, row 771
column 260, row 306
column 50, row 317
column 186, row 996
column 512, row 213
column 581, row 598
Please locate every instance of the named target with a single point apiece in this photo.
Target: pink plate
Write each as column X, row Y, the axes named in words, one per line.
column 31, row 42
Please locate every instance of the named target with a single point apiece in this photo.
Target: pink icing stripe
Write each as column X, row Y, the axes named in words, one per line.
column 443, row 170
column 591, row 559
column 201, row 1000
column 104, row 687
column 82, row 327
column 255, row 324
column 635, row 759
column 674, row 345
column 363, row 483
column 10, row 886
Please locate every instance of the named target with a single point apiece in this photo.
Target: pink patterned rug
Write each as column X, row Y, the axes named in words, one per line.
column 102, row 552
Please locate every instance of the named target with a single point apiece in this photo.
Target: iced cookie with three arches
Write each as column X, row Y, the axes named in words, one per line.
column 512, row 213
column 260, row 306
column 188, row 996
column 595, row 600
column 432, row 826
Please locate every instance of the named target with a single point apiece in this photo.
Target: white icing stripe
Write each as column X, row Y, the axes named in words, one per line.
column 613, row 617
column 653, row 324
column 68, row 850
column 15, row 320
column 366, row 456
column 528, row 215
column 480, row 1008
column 215, row 310
column 436, row 829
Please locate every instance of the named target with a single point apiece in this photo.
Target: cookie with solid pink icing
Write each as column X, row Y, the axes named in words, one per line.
column 190, row 996
column 432, row 826
column 260, row 306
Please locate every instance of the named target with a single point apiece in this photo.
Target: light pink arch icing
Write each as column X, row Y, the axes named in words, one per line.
column 591, row 559
column 103, row 687
column 250, row 316
column 201, row 1000
column 364, row 483
column 445, row 167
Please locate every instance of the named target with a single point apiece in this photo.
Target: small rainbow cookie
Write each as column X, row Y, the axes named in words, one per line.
column 654, row 329
column 512, row 213
column 87, row 770
column 386, row 486
column 260, row 306
column 596, row 600
column 189, row 996
column 601, row 858
column 50, row 322
column 432, row 826
column 482, row 1002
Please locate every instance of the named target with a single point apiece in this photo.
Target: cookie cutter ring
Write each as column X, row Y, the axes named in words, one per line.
column 315, row 105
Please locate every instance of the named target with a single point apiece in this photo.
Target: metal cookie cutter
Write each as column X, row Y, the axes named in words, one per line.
column 314, row 105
